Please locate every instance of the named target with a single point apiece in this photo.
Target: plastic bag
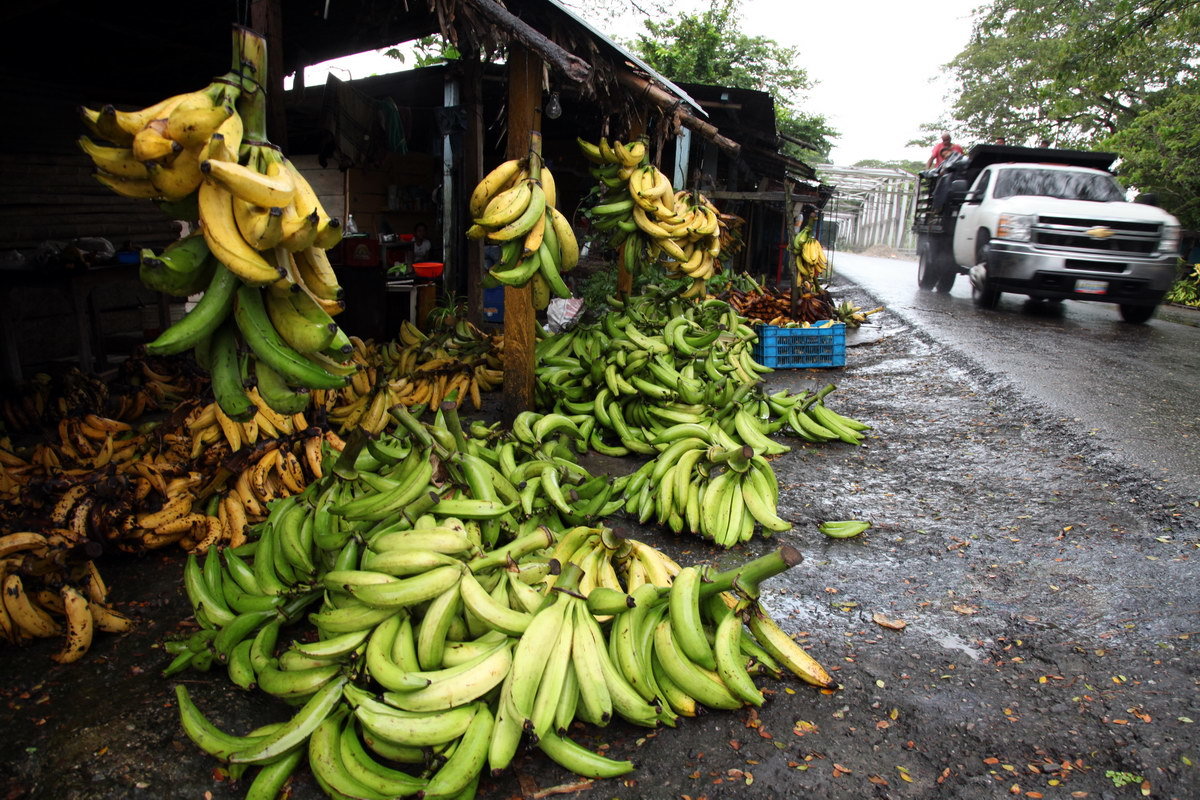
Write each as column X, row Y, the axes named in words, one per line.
column 562, row 314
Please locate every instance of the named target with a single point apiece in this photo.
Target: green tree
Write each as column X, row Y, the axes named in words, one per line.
column 1074, row 71
column 874, row 163
column 428, row 51
column 709, row 47
column 1160, row 152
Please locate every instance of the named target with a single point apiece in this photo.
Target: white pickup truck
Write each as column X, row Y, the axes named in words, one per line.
column 1050, row 224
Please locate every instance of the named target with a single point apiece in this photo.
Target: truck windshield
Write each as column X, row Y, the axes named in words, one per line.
column 1057, row 183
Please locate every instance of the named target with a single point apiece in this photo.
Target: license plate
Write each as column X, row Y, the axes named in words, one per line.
column 1091, row 287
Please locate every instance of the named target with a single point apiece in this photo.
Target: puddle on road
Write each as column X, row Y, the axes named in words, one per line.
column 951, row 642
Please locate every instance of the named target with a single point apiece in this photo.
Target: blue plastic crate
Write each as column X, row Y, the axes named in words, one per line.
column 798, row 348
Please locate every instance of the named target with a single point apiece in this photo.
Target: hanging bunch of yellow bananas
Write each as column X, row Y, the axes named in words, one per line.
column 809, row 256
column 260, row 257
column 647, row 220
column 514, row 207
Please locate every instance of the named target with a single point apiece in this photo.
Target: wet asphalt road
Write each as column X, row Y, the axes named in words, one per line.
column 1136, row 387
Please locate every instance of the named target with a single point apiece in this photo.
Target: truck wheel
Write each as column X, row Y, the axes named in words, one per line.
column 927, row 273
column 984, row 293
column 1136, row 315
column 986, row 296
column 946, row 280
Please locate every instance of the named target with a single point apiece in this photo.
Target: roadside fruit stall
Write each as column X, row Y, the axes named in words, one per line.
column 425, row 589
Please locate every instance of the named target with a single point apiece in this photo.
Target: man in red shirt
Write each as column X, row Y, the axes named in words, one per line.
column 942, row 151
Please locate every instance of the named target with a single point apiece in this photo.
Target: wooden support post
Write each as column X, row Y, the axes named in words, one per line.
column 472, row 173
column 524, row 120
column 266, row 17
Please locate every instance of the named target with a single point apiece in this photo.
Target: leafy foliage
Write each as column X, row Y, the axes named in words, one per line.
column 1186, row 290
column 709, row 47
column 1073, row 71
column 428, row 51
column 908, row 166
column 1118, row 75
column 1160, row 152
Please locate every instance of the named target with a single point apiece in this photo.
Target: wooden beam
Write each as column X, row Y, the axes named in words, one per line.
column 567, row 64
column 266, row 17
column 524, row 122
column 807, row 145
column 673, row 105
column 765, row 196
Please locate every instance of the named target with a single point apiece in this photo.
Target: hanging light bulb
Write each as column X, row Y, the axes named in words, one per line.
column 553, row 107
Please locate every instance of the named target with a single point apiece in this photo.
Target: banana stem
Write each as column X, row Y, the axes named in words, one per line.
column 344, row 466
column 816, row 398
column 416, row 430
column 535, row 155
column 250, row 66
column 568, row 579
column 748, row 576
column 450, row 414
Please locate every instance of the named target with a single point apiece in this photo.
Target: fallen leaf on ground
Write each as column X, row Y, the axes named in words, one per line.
column 964, row 609
column 885, row 622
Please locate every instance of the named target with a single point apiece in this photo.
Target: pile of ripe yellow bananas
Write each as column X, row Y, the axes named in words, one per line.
column 445, row 632
column 260, row 256
column 141, row 385
column 647, row 220
column 73, row 603
column 450, row 364
column 514, row 207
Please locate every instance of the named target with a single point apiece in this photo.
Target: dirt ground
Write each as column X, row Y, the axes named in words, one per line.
column 1047, row 596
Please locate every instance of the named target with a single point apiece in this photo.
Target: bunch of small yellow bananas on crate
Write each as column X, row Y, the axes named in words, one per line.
column 514, row 207
column 47, row 592
column 647, row 220
column 675, row 380
column 852, row 314
column 259, row 259
column 451, row 624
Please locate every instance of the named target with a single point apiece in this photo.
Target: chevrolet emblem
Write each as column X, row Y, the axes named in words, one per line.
column 1099, row 232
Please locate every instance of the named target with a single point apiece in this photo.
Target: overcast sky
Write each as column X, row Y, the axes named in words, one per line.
column 876, row 64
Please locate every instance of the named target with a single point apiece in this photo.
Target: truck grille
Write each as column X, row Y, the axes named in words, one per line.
column 1131, row 238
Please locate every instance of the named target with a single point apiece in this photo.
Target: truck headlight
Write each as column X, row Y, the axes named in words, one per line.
column 1170, row 239
column 1015, row 227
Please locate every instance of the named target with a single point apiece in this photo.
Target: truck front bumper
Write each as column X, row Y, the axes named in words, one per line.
column 1020, row 268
